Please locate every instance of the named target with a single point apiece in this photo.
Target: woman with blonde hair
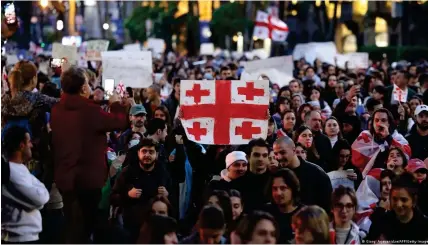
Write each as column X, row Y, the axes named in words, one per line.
column 311, row 226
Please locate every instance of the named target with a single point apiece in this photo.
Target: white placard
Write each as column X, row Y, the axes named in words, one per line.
column 398, row 94
column 94, row 49
column 157, row 45
column 340, row 177
column 60, row 51
column 325, row 51
column 355, row 60
column 134, row 69
column 207, row 49
column 278, row 69
column 11, row 59
column 132, row 47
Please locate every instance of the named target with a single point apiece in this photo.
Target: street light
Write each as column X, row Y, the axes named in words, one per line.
column 44, row 3
column 106, row 26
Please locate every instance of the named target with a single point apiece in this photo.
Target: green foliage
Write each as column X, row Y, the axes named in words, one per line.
column 228, row 20
column 409, row 53
column 162, row 22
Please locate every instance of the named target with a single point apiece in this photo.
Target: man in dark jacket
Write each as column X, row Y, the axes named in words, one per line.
column 315, row 185
column 79, row 147
column 137, row 184
column 418, row 136
column 401, row 81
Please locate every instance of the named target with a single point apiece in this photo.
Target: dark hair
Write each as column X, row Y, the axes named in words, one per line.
column 235, row 193
column 341, row 191
column 224, row 68
column 249, row 222
column 130, row 92
column 147, row 142
column 156, row 227
column 386, row 173
column 211, row 217
column 310, row 150
column 299, row 120
column 341, row 144
column 51, row 90
column 280, row 101
column 290, row 179
column 380, row 89
column 176, row 80
column 158, row 198
column 154, row 125
column 405, row 73
column 401, row 152
column 13, row 138
column 371, row 103
column 390, row 120
column 100, row 88
column 284, row 88
column 72, row 80
column 339, row 135
column 408, row 182
column 225, row 204
column 257, row 142
column 165, row 111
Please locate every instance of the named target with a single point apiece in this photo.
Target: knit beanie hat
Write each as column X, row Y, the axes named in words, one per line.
column 235, row 156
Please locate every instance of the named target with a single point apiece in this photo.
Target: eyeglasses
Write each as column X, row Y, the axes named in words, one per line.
column 341, row 206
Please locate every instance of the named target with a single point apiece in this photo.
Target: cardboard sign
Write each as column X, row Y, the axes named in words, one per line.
column 134, row 69
column 325, row 51
column 156, row 45
column 224, row 112
column 340, row 177
column 398, row 94
column 94, row 49
column 278, row 69
column 60, row 51
column 207, row 49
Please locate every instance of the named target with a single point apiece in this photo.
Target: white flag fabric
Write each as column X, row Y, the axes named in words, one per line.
column 268, row 26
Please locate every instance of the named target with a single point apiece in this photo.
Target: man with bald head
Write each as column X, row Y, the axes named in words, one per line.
column 315, row 185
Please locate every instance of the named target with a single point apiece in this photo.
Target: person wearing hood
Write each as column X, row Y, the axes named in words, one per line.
column 80, row 145
column 235, row 176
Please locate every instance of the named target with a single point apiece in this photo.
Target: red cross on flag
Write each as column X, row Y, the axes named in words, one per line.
column 224, row 112
column 268, row 26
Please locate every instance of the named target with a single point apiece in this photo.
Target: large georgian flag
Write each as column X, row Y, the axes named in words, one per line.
column 224, row 112
column 365, row 150
column 268, row 26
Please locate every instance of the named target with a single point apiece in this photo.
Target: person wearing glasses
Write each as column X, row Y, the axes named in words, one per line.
column 342, row 229
column 341, row 153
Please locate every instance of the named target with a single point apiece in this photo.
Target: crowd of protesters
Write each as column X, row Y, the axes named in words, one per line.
column 81, row 166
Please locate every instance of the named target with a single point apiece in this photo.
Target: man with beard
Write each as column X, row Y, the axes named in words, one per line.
column 418, row 136
column 137, row 184
column 137, row 116
column 157, row 130
column 259, row 162
column 315, row 185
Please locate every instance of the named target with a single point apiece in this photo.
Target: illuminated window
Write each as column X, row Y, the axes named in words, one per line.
column 216, row 4
column 381, row 25
column 183, row 8
column 360, row 7
column 205, row 10
column 382, row 39
column 350, row 44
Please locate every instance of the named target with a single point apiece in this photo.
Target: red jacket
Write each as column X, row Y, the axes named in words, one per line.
column 79, row 141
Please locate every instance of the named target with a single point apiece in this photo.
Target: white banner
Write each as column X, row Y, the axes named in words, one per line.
column 325, row 52
column 157, row 45
column 60, row 51
column 132, row 47
column 133, row 69
column 340, row 177
column 355, row 60
column 278, row 69
column 94, row 49
column 207, row 49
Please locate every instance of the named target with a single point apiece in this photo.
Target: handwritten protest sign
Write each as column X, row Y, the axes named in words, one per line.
column 224, row 112
column 60, row 51
column 207, row 49
column 278, row 69
column 398, row 94
column 340, row 177
column 134, row 69
column 325, row 51
column 94, row 49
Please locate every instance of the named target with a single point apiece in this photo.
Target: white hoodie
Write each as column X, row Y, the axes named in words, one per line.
column 22, row 199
